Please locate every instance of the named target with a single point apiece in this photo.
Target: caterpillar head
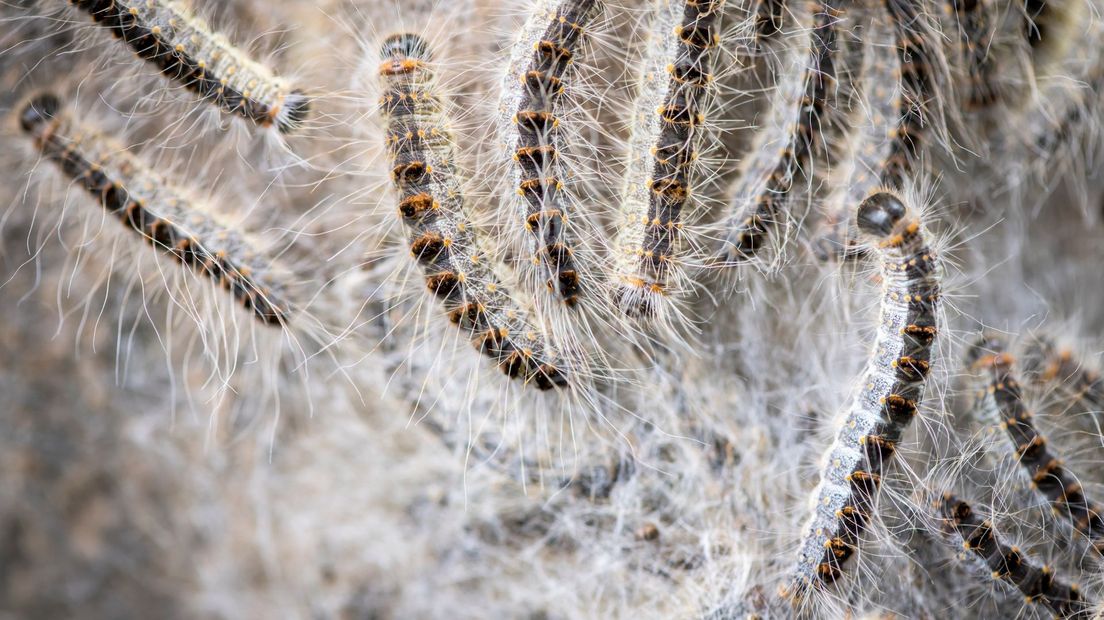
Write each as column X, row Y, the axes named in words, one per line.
column 880, row 214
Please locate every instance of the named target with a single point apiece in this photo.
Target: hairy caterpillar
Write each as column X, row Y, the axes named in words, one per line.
column 1049, row 476
column 790, row 134
column 1008, row 563
column 163, row 32
column 356, row 511
column 869, row 143
column 918, row 90
column 892, row 388
column 432, row 207
column 147, row 204
column 532, row 95
column 676, row 83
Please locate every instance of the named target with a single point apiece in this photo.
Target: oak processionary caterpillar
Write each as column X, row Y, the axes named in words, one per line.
column 183, row 47
column 433, row 210
column 676, row 83
column 869, row 144
column 794, row 129
column 1008, row 563
column 147, row 204
column 917, row 90
column 892, row 388
column 533, row 89
column 1049, row 477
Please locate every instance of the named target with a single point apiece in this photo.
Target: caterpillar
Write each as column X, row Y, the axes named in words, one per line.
column 887, row 153
column 1007, row 562
column 1078, row 386
column 918, row 89
column 532, row 95
column 791, row 134
column 675, row 86
column 185, row 50
column 433, row 210
column 149, row 205
column 1049, row 476
column 893, row 384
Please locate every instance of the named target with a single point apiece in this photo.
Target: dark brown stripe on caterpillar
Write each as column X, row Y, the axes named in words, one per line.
column 761, row 196
column 536, row 140
column 975, row 36
column 665, row 148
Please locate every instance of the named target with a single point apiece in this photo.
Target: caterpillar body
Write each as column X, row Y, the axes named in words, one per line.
column 532, row 95
column 664, row 151
column 918, row 89
column 792, row 133
column 1049, row 477
column 1008, row 563
column 433, row 210
column 150, row 206
column 870, row 143
column 163, row 33
column 892, row 389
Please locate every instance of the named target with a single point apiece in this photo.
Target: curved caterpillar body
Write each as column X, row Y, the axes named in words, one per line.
column 1049, row 477
column 147, row 204
column 187, row 52
column 1008, row 563
column 792, row 132
column 892, row 388
column 532, row 93
column 887, row 153
column 664, row 150
column 433, row 210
